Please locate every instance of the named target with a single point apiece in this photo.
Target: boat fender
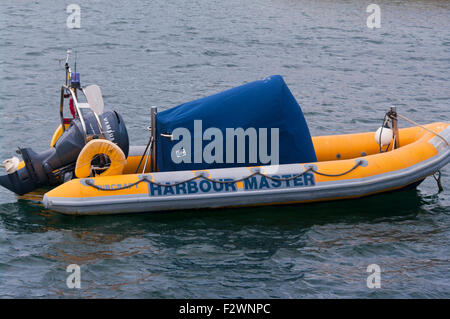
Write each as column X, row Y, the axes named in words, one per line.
column 384, row 136
column 96, row 147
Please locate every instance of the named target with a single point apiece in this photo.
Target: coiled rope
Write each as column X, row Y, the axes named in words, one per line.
column 90, row 182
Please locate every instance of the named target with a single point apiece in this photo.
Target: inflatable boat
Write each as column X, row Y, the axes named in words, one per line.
column 247, row 146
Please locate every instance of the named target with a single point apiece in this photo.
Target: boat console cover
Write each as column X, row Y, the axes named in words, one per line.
column 261, row 119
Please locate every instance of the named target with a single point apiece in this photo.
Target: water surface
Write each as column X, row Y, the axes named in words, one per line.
column 344, row 75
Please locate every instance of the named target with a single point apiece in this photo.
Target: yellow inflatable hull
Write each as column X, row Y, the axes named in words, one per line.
column 369, row 172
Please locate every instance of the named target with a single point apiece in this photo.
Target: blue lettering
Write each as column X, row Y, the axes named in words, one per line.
column 263, row 183
column 230, row 185
column 192, row 187
column 276, row 183
column 168, row 190
column 205, row 186
column 288, row 181
column 309, row 179
column 181, row 187
column 154, row 188
column 251, row 183
column 218, row 187
column 298, row 181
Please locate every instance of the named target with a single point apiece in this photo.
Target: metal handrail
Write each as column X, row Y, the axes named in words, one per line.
column 65, row 88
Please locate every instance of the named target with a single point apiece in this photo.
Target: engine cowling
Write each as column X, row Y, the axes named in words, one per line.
column 53, row 166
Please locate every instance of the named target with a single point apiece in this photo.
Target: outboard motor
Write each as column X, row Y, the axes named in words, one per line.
column 57, row 164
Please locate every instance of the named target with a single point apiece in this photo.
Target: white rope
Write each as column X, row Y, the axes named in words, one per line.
column 426, row 129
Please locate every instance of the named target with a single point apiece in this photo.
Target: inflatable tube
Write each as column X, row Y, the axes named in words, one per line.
column 348, row 166
column 96, row 147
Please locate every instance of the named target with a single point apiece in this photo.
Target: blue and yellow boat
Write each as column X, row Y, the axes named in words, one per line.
column 247, row 146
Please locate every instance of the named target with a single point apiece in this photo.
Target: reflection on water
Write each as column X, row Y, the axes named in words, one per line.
column 395, row 206
column 276, row 251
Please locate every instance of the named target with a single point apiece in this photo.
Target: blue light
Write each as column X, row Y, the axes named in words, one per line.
column 75, row 77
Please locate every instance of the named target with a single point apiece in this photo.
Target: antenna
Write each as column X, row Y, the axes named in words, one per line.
column 67, row 66
column 68, row 52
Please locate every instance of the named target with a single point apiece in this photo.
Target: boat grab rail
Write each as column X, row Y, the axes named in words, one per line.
column 257, row 171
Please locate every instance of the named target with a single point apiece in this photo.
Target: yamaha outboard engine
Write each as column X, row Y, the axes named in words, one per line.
column 57, row 164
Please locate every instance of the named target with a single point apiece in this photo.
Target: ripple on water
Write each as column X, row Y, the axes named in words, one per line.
column 343, row 75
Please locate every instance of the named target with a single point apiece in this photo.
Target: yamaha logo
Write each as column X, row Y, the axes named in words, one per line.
column 108, row 131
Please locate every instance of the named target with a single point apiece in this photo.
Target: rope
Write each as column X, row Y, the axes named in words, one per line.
column 143, row 154
column 438, row 180
column 148, row 154
column 426, row 129
column 360, row 162
column 436, row 175
column 145, row 179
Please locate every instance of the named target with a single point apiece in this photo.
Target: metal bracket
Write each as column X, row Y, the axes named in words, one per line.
column 153, row 112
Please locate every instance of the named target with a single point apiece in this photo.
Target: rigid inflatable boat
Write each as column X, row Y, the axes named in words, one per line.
column 246, row 146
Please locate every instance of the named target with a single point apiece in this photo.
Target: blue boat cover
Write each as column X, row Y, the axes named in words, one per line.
column 265, row 104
